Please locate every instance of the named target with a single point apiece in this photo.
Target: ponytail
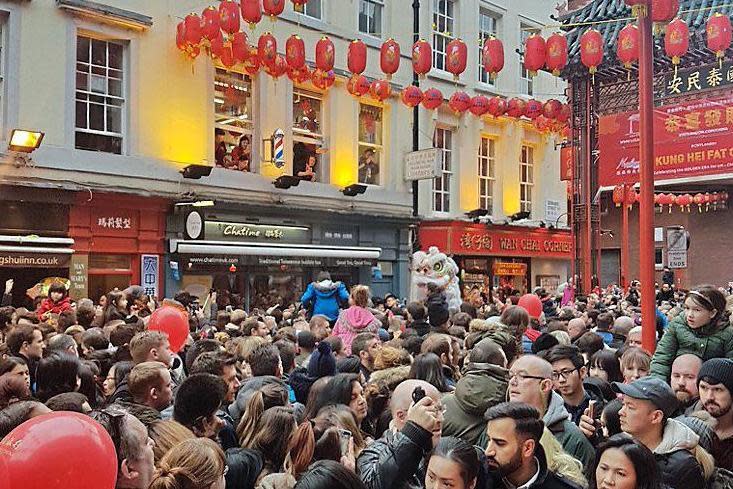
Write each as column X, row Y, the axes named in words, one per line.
column 172, row 478
column 247, row 429
column 300, row 451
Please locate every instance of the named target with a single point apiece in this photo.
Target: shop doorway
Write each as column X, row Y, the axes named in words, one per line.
column 26, row 278
column 610, row 267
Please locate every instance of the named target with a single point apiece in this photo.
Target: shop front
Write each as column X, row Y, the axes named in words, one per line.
column 119, row 240
column 502, row 257
column 258, row 262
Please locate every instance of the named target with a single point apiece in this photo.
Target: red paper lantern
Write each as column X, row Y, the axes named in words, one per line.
column 380, row 90
column 684, row 201
column 299, row 2
column 497, row 106
column 357, row 56
column 240, row 48
column 479, row 105
column 627, row 45
column 412, row 96
column 552, row 108
column 565, row 113
column 541, row 123
column 631, row 196
column 707, row 199
column 216, row 46
column 229, row 16
column 456, row 57
column 358, row 85
column 664, row 11
column 323, row 79
column 278, row 68
column 422, row 58
column 676, row 40
column 591, row 50
column 267, row 49
column 252, row 63
column 533, row 109
column 493, row 56
column 535, row 54
column 699, row 199
column 459, row 102
column 251, row 12
column 325, row 54
column 719, row 34
column 299, row 76
column 657, row 198
column 273, row 8
column 295, row 52
column 210, row 26
column 389, row 57
column 181, row 36
column 618, row 195
column 432, row 98
column 557, row 53
column 193, row 34
column 515, row 107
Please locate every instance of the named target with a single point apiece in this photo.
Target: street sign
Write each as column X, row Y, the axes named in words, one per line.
column 676, row 247
column 422, row 165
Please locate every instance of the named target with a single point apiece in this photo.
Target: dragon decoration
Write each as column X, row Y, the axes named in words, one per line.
column 438, row 269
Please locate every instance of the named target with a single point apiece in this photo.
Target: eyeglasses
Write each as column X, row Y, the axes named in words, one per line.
column 522, row 377
column 564, row 374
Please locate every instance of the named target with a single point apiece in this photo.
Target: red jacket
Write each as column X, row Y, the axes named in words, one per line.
column 53, row 307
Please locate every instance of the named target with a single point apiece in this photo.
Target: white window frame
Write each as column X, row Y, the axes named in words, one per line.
column 222, row 77
column 308, row 137
column 442, row 184
column 444, row 15
column 486, row 173
column 526, row 81
column 375, row 5
column 483, row 76
column 526, row 178
column 305, row 9
column 378, row 148
column 107, row 98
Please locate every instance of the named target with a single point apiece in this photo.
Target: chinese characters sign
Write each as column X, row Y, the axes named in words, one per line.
column 232, row 231
column 114, row 222
column 510, row 269
column 149, row 272
column 690, row 139
column 697, row 79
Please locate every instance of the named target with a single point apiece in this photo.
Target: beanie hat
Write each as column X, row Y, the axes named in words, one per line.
column 322, row 362
column 545, row 341
column 383, row 335
column 438, row 313
column 719, row 370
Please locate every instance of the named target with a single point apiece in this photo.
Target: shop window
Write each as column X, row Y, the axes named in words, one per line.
column 443, row 30
column 487, row 27
column 307, row 135
column 486, row 173
column 370, row 17
column 233, row 134
column 526, row 178
column 108, row 272
column 526, row 82
column 371, row 150
column 443, row 140
column 311, row 9
column 100, row 95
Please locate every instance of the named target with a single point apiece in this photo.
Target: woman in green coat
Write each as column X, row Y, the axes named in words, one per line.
column 704, row 329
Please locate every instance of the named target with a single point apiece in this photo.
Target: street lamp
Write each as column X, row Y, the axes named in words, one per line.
column 24, row 141
column 284, row 182
column 354, row 189
column 195, row 172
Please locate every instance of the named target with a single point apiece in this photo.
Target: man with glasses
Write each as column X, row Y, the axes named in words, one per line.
column 568, row 372
column 134, row 448
column 530, row 381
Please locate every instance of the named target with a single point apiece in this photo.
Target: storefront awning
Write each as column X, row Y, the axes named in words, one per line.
column 35, row 251
column 269, row 249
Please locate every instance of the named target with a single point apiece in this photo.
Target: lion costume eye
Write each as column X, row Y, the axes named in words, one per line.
column 438, row 266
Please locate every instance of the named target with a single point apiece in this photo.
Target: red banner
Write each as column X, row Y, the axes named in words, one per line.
column 691, row 139
column 566, row 163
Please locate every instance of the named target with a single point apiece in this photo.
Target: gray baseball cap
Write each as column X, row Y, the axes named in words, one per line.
column 652, row 389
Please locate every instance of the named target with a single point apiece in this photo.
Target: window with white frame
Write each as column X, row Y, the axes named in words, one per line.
column 370, row 17
column 526, row 178
column 443, row 23
column 233, row 120
column 526, row 83
column 307, row 135
column 487, row 27
column 311, row 9
column 486, row 173
column 100, row 95
column 371, row 144
column 443, row 140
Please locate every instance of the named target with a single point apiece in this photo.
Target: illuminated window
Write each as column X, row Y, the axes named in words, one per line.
column 487, row 22
column 526, row 178
column 443, row 26
column 371, row 127
column 443, row 140
column 486, row 173
column 307, row 135
column 233, row 122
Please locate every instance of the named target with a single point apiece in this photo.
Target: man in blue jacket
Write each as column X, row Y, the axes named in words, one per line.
column 324, row 297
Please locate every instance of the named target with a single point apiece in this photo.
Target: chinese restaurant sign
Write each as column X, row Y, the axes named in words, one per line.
column 698, row 79
column 232, row 231
column 691, row 139
column 505, row 269
column 114, row 222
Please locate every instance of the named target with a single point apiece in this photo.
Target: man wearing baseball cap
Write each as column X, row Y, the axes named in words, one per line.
column 648, row 404
column 715, row 385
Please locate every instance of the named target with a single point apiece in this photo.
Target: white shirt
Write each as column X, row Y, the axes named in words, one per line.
column 527, row 484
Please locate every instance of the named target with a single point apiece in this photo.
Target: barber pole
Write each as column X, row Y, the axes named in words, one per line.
column 278, row 141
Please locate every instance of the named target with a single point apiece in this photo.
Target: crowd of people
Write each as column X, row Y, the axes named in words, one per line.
column 347, row 390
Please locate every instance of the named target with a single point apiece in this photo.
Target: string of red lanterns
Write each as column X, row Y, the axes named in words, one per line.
column 627, row 195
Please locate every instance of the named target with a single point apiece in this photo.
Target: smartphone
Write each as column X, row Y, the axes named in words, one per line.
column 592, row 409
column 418, row 394
column 344, row 439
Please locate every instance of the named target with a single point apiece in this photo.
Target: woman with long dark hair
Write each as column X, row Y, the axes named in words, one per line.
column 428, row 367
column 344, row 389
column 57, row 373
column 605, row 365
column 453, row 463
column 622, row 462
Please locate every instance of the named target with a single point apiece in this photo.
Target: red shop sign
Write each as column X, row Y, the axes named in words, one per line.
column 691, row 139
column 566, row 163
column 114, row 222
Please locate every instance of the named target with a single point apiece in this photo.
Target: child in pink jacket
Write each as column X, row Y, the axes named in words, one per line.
column 356, row 319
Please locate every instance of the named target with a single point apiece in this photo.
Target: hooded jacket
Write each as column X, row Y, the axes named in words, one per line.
column 676, row 456
column 573, row 441
column 324, row 298
column 353, row 321
column 482, row 386
column 710, row 341
column 545, row 478
column 47, row 305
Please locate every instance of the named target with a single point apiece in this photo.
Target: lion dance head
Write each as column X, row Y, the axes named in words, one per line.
column 437, row 269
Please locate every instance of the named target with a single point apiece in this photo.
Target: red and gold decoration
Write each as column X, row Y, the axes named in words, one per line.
column 479, row 105
column 251, row 12
column 299, row 76
column 627, row 45
column 380, row 90
column 295, row 52
column 497, row 106
column 325, row 54
column 637, row 6
column 533, row 109
column 210, row 26
column 493, row 56
column 412, row 96
column 459, row 102
column 663, row 11
column 535, row 54
column 229, row 17
column 557, row 53
column 591, row 50
column 432, row 99
column 240, row 49
column 552, row 109
column 278, row 68
column 389, row 57
column 356, row 56
column 618, row 195
column 273, row 8
column 719, row 34
column 358, row 85
column 456, row 57
column 323, row 80
column 565, row 112
column 267, row 49
column 515, row 107
column 676, row 41
column 252, row 63
column 422, row 58
column 631, row 196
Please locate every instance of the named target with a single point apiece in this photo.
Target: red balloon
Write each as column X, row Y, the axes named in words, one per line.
column 59, row 450
column 173, row 323
column 532, row 304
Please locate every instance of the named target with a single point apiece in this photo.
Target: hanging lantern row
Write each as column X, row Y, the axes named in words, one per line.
column 628, row 196
column 540, row 53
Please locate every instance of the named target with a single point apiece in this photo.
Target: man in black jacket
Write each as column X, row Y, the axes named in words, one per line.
column 397, row 460
column 417, row 317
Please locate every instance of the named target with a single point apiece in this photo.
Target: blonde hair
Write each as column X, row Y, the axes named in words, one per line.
column 360, row 295
column 562, row 337
column 167, row 434
column 389, row 356
column 636, row 357
column 247, row 345
column 197, row 463
column 559, row 462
